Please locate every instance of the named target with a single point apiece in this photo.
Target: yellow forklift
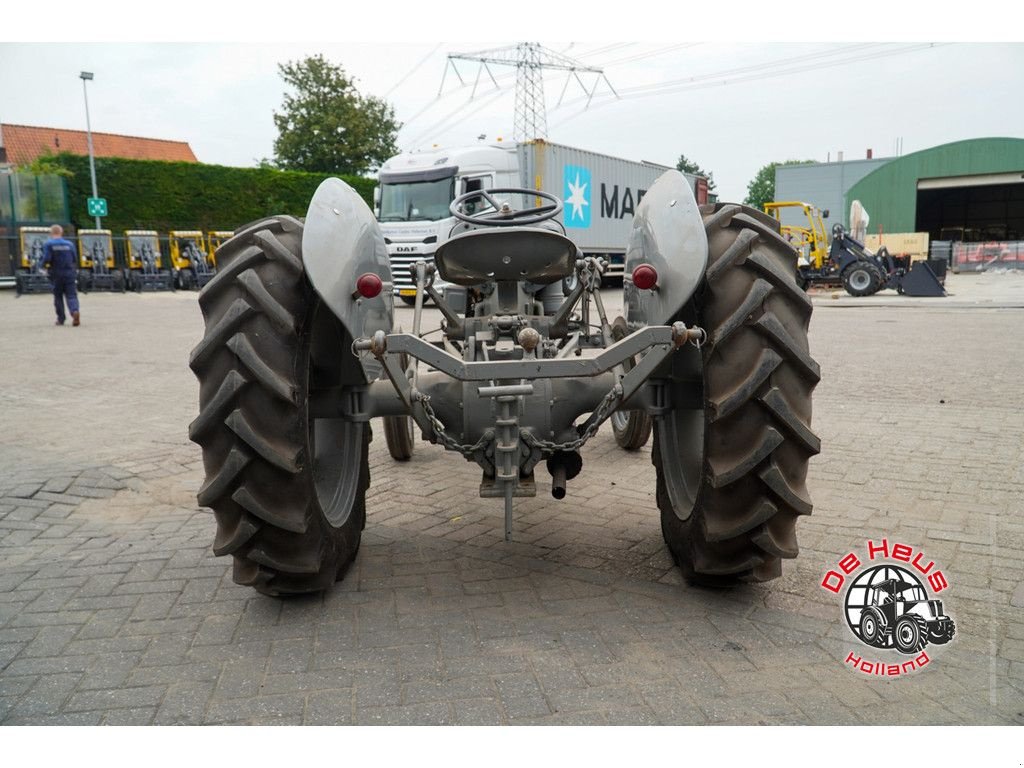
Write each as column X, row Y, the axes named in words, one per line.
column 145, row 269
column 846, row 261
column 191, row 265
column 96, row 262
column 810, row 240
column 31, row 276
column 214, row 240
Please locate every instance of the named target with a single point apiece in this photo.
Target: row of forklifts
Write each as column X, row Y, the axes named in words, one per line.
column 190, row 264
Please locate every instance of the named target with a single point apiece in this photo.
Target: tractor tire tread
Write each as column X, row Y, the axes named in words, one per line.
column 253, row 424
column 758, row 380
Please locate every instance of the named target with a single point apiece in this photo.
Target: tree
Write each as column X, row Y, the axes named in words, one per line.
column 46, row 164
column 761, row 188
column 326, row 126
column 688, row 166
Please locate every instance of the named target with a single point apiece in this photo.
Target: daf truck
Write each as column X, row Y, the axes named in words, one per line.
column 600, row 196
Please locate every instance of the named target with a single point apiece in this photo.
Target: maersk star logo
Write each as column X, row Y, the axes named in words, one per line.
column 577, row 197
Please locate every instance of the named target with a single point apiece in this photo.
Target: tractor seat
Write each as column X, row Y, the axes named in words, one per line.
column 511, row 253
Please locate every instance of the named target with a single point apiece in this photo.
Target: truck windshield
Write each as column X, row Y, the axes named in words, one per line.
column 417, row 201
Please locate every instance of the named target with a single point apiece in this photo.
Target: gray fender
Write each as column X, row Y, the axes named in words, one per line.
column 340, row 242
column 668, row 233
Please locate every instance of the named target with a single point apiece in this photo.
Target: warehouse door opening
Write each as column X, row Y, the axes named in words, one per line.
column 972, row 209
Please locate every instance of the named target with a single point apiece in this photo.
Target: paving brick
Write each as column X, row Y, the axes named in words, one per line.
column 47, row 696
column 13, row 687
column 109, row 670
column 434, row 713
column 478, row 712
column 118, row 698
column 216, row 630
column 69, row 718
column 184, row 704
column 134, row 716
column 451, row 689
column 241, row 678
column 334, row 707
column 49, row 641
column 521, row 696
column 288, row 656
column 256, row 709
column 47, row 666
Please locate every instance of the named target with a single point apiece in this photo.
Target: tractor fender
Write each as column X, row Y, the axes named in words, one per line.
column 340, row 242
column 668, row 234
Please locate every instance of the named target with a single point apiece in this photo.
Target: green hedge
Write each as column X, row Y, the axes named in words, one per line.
column 147, row 194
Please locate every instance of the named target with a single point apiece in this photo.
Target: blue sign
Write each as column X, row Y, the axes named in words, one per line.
column 576, row 196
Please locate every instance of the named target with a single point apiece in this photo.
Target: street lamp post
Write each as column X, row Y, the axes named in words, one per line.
column 88, row 132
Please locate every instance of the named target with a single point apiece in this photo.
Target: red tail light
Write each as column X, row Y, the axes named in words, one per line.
column 645, row 277
column 369, row 285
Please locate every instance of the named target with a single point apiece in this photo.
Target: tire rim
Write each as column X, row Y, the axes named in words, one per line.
column 680, row 435
column 906, row 634
column 620, row 421
column 860, row 280
column 334, row 445
column 869, row 628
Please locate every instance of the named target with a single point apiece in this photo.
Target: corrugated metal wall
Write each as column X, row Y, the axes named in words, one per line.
column 823, row 185
column 890, row 193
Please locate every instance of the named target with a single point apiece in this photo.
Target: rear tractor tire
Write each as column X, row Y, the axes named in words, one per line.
column 732, row 453
column 287, row 489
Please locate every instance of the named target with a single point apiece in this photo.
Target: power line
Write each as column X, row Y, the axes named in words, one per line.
column 759, row 67
column 412, row 71
column 458, row 113
column 649, row 54
column 603, row 49
column 706, row 81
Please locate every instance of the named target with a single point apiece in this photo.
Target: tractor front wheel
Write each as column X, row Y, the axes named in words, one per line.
column 399, row 434
column 942, row 636
column 632, row 429
column 910, row 634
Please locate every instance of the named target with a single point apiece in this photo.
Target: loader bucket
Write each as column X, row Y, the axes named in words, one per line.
column 921, row 281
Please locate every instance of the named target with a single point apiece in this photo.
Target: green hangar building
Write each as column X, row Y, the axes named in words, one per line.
column 970, row 190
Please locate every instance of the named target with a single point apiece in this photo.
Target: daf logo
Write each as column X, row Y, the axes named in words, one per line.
column 406, row 249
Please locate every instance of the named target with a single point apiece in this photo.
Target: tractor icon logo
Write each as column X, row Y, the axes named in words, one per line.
column 888, row 607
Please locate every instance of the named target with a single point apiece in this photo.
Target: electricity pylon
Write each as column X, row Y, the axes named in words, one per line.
column 530, row 61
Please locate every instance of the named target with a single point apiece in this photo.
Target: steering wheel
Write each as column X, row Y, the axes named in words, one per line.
column 505, row 216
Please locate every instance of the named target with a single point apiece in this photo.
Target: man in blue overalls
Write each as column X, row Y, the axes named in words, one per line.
column 59, row 257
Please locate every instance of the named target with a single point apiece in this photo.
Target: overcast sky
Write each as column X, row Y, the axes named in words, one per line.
column 729, row 106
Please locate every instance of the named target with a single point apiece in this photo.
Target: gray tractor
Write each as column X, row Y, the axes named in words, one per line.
column 300, row 352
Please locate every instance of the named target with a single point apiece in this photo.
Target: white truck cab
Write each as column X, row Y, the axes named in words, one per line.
column 600, row 193
column 415, row 191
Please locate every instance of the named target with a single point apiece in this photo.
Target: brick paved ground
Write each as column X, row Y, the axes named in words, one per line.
column 113, row 609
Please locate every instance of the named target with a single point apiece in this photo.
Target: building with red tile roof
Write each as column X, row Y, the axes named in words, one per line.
column 22, row 144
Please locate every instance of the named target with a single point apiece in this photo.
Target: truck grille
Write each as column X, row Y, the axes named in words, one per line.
column 400, row 273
